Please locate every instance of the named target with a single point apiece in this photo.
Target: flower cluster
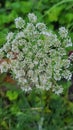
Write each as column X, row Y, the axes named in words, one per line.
column 71, row 56
column 36, row 57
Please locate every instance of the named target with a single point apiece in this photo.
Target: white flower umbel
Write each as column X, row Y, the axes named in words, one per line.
column 32, row 18
column 41, row 26
column 58, row 89
column 63, row 32
column 19, row 22
column 37, row 57
column 1, row 54
column 71, row 56
column 4, row 66
column 10, row 36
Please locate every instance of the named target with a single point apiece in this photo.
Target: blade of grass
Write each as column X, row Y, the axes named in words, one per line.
column 58, row 4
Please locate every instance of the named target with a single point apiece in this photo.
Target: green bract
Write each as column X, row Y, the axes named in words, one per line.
column 36, row 56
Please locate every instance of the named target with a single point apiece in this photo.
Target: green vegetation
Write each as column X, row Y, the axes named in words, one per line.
column 36, row 110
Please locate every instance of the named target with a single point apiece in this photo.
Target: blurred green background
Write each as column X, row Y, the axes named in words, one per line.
column 54, row 13
column 37, row 110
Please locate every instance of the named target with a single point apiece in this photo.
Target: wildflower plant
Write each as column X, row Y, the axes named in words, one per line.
column 36, row 57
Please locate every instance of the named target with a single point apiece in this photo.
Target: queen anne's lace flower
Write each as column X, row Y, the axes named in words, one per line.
column 37, row 57
column 1, row 54
column 71, row 56
column 32, row 18
column 58, row 89
column 4, row 66
column 63, row 32
column 41, row 26
column 19, row 22
column 10, row 36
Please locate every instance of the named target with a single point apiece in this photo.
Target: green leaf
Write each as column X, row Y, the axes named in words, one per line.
column 69, row 17
column 22, row 6
column 4, row 124
column 14, row 109
column 53, row 15
column 12, row 95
